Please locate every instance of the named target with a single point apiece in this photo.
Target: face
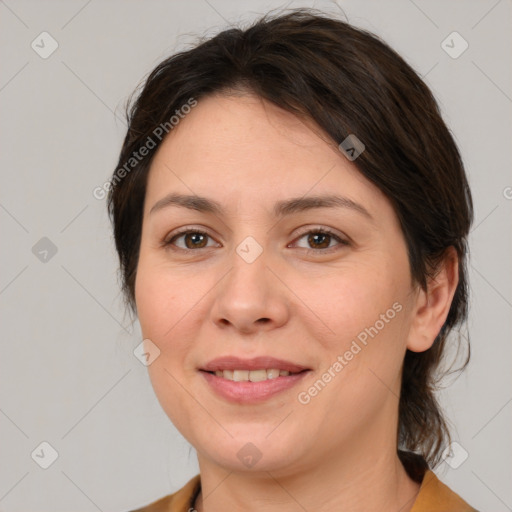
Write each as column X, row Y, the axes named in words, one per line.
column 257, row 277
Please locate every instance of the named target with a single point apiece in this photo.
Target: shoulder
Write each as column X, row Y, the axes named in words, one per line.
column 435, row 496
column 181, row 501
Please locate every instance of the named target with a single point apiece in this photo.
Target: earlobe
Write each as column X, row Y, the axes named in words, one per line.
column 433, row 304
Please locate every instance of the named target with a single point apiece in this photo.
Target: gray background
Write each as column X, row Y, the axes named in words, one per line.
column 68, row 373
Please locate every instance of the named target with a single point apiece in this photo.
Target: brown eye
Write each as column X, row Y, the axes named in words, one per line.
column 320, row 240
column 191, row 240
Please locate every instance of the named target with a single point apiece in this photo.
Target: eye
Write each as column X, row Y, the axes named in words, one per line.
column 192, row 239
column 320, row 240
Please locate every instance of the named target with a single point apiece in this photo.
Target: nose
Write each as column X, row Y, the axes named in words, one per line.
column 250, row 297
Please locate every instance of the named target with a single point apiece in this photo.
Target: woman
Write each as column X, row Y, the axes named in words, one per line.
column 291, row 213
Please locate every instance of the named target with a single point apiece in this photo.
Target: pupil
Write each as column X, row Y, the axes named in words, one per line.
column 313, row 239
column 193, row 237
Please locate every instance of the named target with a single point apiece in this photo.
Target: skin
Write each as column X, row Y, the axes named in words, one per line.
column 337, row 452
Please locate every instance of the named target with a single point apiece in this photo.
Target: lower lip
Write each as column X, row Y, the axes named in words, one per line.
column 250, row 392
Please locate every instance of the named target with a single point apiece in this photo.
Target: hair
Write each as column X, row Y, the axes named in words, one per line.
column 347, row 81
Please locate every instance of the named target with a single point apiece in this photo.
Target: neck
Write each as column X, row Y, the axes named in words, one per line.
column 352, row 482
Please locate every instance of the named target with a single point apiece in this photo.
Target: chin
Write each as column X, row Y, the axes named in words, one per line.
column 253, row 451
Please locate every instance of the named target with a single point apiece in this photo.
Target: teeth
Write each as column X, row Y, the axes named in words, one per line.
column 258, row 375
column 240, row 375
column 252, row 376
column 272, row 374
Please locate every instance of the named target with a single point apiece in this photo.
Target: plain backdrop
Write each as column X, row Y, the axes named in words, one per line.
column 68, row 376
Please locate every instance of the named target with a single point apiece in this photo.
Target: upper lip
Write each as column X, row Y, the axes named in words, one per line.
column 255, row 363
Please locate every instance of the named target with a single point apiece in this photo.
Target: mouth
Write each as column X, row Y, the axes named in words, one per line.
column 253, row 375
column 251, row 380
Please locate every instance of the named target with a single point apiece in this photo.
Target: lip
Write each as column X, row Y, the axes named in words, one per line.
column 247, row 392
column 255, row 363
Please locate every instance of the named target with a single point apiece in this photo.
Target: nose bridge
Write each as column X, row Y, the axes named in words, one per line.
column 248, row 279
column 249, row 250
column 249, row 292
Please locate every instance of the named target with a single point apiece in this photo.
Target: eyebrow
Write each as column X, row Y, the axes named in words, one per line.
column 281, row 208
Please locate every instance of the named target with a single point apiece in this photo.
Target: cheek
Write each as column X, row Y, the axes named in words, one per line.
column 350, row 303
column 170, row 307
column 367, row 317
column 161, row 297
column 150, row 298
column 162, row 305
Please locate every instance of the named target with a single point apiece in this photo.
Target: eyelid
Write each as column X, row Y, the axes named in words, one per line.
column 322, row 229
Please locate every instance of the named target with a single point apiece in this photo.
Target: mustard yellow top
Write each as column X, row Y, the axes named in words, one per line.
column 434, row 496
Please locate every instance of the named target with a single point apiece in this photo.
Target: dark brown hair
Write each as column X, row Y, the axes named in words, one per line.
column 348, row 82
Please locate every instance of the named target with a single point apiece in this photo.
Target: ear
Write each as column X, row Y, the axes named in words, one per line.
column 433, row 304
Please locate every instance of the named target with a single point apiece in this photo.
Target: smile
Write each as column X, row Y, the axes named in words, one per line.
column 246, row 381
column 251, row 375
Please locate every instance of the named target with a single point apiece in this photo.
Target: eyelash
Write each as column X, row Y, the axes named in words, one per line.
column 324, row 231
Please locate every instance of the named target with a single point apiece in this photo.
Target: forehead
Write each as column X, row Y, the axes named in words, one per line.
column 241, row 147
column 247, row 124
